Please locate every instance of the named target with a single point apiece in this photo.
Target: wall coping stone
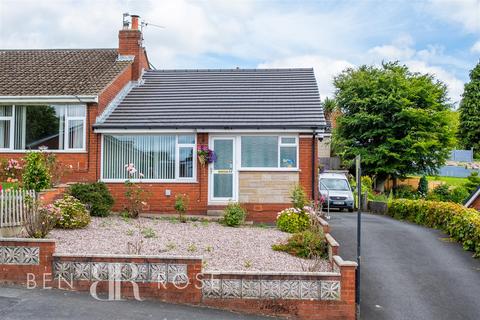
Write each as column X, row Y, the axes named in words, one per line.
column 272, row 273
column 25, row 240
column 342, row 263
column 331, row 240
column 126, row 256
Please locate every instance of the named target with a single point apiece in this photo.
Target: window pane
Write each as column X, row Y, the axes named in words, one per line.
column 224, row 151
column 222, row 185
column 39, row 126
column 153, row 156
column 5, row 134
column 76, row 111
column 186, row 139
column 75, row 134
column 5, row 111
column 259, row 151
column 288, row 140
column 186, row 162
column 288, row 157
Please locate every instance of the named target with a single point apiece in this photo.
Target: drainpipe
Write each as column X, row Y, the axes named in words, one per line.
column 314, row 169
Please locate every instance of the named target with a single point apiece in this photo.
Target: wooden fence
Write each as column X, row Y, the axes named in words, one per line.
column 13, row 207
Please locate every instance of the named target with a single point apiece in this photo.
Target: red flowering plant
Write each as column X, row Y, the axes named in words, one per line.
column 11, row 171
column 205, row 155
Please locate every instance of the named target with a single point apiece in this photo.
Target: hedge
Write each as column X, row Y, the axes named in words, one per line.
column 461, row 223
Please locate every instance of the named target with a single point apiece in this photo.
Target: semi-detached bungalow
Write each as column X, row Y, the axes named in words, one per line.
column 99, row 109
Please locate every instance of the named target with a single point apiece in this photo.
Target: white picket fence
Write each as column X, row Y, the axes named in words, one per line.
column 13, row 207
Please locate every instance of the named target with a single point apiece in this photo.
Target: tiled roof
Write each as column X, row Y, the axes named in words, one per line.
column 58, row 72
column 223, row 99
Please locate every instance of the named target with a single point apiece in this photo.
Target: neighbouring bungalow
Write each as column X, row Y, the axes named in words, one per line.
column 474, row 200
column 100, row 109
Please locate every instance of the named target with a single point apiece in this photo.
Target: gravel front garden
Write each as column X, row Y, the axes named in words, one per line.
column 222, row 248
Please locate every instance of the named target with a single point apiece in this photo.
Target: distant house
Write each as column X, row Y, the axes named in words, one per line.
column 474, row 200
column 100, row 109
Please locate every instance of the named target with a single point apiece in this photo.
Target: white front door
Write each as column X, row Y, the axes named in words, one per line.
column 223, row 175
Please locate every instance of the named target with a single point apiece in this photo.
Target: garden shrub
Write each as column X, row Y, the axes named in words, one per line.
column 95, row 196
column 298, row 196
column 405, row 191
column 36, row 175
column 39, row 219
column 294, row 220
column 422, row 187
column 305, row 244
column 473, row 181
column 446, row 193
column 461, row 223
column 74, row 214
column 234, row 214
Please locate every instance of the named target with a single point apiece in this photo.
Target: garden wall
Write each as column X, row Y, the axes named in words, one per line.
column 301, row 295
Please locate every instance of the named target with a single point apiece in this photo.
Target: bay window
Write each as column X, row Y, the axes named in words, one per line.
column 159, row 157
column 274, row 152
column 33, row 127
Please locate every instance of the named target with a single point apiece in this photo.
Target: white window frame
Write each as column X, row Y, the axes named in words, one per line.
column 66, row 148
column 178, row 145
column 279, row 145
column 12, row 129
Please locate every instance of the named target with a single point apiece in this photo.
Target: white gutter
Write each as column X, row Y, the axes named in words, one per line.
column 48, row 99
column 136, row 130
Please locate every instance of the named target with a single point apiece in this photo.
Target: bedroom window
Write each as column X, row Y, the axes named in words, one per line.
column 157, row 157
column 52, row 127
column 269, row 152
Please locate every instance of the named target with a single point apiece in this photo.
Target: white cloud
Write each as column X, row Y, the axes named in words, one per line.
column 462, row 12
column 476, row 47
column 325, row 69
column 400, row 49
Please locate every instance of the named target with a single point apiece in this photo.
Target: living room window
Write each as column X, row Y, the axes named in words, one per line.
column 162, row 157
column 34, row 127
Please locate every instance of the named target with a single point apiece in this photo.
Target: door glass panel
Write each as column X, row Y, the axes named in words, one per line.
column 222, row 185
column 224, row 151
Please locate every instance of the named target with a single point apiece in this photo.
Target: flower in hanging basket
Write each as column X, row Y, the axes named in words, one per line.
column 205, row 155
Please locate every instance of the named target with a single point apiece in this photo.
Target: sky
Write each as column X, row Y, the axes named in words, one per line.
column 440, row 37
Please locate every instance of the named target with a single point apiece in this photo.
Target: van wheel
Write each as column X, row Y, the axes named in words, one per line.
column 350, row 209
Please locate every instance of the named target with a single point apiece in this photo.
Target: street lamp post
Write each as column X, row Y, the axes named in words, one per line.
column 359, row 229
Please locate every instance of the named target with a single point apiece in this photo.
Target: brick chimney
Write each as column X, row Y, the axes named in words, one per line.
column 130, row 44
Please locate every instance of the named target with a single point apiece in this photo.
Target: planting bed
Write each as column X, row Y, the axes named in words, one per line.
column 222, row 248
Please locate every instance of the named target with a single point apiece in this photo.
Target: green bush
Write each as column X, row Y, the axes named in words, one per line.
column 234, row 215
column 306, row 244
column 36, row 175
column 473, row 181
column 461, row 223
column 446, row 193
column 405, row 191
column 95, row 196
column 293, row 220
column 74, row 215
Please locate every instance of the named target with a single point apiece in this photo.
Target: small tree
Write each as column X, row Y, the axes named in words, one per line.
column 181, row 205
column 134, row 194
column 473, row 182
column 298, row 196
column 423, row 187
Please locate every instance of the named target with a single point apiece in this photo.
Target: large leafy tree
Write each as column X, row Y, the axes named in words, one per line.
column 469, row 128
column 395, row 119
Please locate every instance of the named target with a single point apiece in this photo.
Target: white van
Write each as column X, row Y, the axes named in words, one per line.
column 335, row 189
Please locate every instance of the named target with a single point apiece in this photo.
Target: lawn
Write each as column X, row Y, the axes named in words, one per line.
column 453, row 181
column 247, row 248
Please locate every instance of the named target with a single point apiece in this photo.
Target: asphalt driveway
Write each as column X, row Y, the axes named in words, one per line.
column 408, row 271
column 19, row 303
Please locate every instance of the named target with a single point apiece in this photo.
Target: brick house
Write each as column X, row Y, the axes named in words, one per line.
column 99, row 109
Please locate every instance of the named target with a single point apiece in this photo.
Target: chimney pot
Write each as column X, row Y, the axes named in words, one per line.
column 135, row 21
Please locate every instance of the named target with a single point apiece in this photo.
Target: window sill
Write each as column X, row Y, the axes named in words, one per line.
column 144, row 181
column 45, row 151
column 270, row 169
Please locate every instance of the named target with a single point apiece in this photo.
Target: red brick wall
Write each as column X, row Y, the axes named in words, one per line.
column 305, row 154
column 476, row 204
column 17, row 273
column 129, row 43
